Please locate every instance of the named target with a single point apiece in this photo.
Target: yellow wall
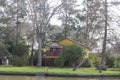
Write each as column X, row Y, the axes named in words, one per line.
column 86, row 53
column 67, row 42
column 70, row 42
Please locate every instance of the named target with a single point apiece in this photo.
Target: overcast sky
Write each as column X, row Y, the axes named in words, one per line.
column 112, row 9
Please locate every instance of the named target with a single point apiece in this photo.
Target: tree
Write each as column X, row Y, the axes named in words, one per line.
column 113, row 27
column 55, row 33
column 103, row 60
column 12, row 12
column 21, row 49
column 92, row 20
column 72, row 54
column 67, row 14
column 40, row 15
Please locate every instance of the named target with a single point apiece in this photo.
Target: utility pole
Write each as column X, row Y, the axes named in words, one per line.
column 103, row 58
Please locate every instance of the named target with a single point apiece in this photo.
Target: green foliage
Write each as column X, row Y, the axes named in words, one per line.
column 20, row 50
column 71, row 55
column 103, row 68
column 7, row 37
column 35, row 57
column 19, row 61
column 117, row 63
column 58, row 62
column 3, row 49
column 113, row 61
column 4, row 20
column 6, row 34
column 92, row 61
column 95, row 62
column 20, row 54
column 55, row 33
column 110, row 60
column 87, row 63
column 8, row 46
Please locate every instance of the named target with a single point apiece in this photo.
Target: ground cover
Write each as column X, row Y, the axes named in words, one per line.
column 51, row 70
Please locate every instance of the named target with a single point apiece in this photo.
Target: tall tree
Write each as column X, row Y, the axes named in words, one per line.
column 103, row 61
column 12, row 13
column 55, row 33
column 40, row 15
column 113, row 37
column 89, row 22
column 67, row 14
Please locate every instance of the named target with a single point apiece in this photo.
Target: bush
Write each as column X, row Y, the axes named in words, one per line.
column 102, row 68
column 71, row 55
column 20, row 50
column 20, row 54
column 92, row 60
column 19, row 61
column 35, row 58
column 117, row 62
column 87, row 63
column 58, row 62
column 110, row 60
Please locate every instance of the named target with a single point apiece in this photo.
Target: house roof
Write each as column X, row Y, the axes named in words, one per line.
column 55, row 45
column 67, row 41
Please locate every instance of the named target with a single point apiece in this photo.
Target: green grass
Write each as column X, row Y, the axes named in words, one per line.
column 22, row 69
column 52, row 70
column 82, row 71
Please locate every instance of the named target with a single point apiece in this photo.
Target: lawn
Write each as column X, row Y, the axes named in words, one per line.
column 51, row 70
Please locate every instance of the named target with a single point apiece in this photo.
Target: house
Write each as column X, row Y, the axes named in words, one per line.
column 55, row 49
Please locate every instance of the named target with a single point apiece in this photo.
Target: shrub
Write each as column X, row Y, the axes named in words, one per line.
column 92, row 60
column 71, row 54
column 87, row 63
column 110, row 60
column 20, row 50
column 19, row 61
column 20, row 54
column 117, row 62
column 58, row 62
column 102, row 68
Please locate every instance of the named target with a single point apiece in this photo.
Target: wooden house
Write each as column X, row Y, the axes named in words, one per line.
column 55, row 49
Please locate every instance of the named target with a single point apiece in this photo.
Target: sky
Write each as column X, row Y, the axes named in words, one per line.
column 112, row 9
column 54, row 20
column 114, row 12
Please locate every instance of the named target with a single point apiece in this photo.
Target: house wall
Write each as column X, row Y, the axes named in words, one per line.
column 70, row 42
column 55, row 54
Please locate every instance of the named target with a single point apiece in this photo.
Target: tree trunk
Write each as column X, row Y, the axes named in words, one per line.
column 31, row 59
column 84, row 59
column 103, row 61
column 39, row 63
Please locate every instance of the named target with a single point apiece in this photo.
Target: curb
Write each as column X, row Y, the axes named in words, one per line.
column 59, row 75
column 84, row 76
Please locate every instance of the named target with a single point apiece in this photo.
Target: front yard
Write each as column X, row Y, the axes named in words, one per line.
column 53, row 70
